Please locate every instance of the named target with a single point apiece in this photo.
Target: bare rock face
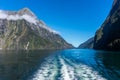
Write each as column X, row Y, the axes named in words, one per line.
column 108, row 36
column 23, row 30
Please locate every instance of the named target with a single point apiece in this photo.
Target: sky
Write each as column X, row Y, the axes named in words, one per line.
column 75, row 20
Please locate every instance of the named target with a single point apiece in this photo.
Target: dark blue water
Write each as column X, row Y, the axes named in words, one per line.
column 75, row 64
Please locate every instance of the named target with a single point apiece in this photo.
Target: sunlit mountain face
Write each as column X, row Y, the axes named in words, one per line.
column 23, row 30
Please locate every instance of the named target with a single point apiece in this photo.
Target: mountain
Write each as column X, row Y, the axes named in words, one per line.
column 108, row 36
column 87, row 44
column 23, row 30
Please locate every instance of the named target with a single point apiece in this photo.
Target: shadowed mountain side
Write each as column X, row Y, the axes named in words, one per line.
column 108, row 36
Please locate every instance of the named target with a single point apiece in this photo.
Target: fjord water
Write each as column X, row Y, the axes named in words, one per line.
column 74, row 64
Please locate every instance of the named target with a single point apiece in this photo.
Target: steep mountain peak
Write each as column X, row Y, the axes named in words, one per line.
column 26, row 11
column 25, row 14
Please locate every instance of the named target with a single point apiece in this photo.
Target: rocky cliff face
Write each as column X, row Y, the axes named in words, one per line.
column 22, row 30
column 87, row 44
column 108, row 36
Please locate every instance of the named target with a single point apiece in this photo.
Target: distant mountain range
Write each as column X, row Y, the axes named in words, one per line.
column 23, row 30
column 87, row 44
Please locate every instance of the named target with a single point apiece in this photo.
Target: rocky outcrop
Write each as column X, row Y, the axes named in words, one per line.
column 87, row 44
column 108, row 36
column 23, row 30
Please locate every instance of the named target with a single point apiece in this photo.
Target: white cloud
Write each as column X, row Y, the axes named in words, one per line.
column 28, row 18
column 2, row 15
column 15, row 17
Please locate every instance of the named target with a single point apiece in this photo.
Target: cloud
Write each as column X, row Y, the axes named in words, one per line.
column 17, row 17
column 26, row 17
column 2, row 15
column 29, row 18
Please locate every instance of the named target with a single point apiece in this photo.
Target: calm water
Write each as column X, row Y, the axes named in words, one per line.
column 75, row 64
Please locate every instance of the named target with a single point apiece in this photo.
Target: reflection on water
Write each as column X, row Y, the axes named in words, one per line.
column 109, row 64
column 75, row 64
column 17, row 65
